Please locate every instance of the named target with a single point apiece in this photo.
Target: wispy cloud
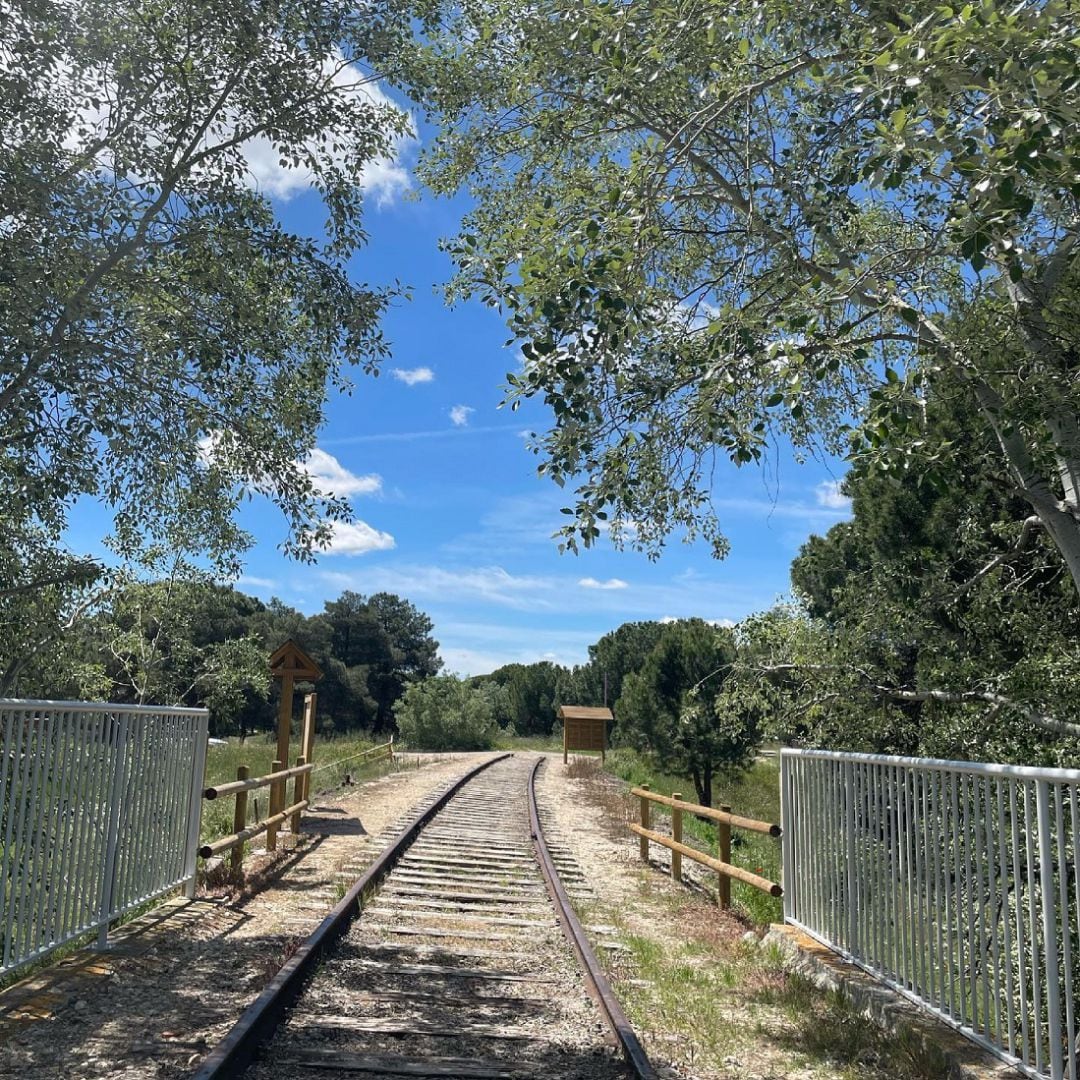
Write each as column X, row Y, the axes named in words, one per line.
column 459, row 415
column 412, row 436
column 611, row 583
column 332, row 478
column 253, row 582
column 485, row 584
column 357, row 538
column 830, row 496
column 412, row 376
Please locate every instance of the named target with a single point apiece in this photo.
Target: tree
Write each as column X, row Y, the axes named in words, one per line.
column 615, row 656
column 445, row 713
column 178, row 642
column 945, row 618
column 675, row 707
column 165, row 344
column 532, row 694
column 712, row 225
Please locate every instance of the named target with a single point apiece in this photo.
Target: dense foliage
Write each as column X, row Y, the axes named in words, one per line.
column 676, row 707
column 166, row 346
column 712, row 224
column 200, row 644
column 446, row 713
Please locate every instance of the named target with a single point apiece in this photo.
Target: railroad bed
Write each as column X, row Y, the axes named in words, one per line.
column 457, row 967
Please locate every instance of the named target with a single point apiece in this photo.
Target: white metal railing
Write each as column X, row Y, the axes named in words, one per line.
column 955, row 882
column 99, row 813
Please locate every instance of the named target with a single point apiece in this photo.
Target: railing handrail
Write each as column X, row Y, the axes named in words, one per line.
column 234, row 787
column 1019, row 772
column 363, row 753
column 226, row 843
column 723, row 816
column 101, row 706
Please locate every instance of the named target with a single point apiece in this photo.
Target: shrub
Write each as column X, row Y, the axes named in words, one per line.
column 444, row 713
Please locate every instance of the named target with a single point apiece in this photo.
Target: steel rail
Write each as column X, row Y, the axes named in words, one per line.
column 259, row 1021
column 597, row 981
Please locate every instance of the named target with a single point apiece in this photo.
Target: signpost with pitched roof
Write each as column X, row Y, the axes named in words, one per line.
column 291, row 664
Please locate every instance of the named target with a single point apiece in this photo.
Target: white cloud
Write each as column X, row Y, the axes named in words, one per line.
column 385, row 178
column 412, row 376
column 332, row 478
column 357, row 538
column 725, row 624
column 253, row 582
column 491, row 584
column 459, row 414
column 593, row 583
column 830, row 496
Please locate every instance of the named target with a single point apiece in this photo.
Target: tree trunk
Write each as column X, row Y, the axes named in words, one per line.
column 703, row 784
column 1060, row 517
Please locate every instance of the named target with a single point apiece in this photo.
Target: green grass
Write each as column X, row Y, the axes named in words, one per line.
column 332, row 764
column 528, row 742
column 754, row 793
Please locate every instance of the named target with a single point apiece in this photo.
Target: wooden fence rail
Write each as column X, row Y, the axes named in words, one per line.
column 725, row 820
column 279, row 812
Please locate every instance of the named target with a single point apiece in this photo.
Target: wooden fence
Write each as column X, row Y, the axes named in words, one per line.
column 725, row 821
column 279, row 813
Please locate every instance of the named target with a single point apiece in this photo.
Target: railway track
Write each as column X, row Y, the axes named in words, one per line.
column 456, row 955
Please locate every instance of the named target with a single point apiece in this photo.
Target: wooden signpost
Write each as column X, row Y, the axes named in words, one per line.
column 291, row 664
column 584, row 728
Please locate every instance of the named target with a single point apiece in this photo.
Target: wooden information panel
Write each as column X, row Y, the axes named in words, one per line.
column 584, row 728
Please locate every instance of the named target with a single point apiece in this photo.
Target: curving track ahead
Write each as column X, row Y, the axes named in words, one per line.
column 468, row 962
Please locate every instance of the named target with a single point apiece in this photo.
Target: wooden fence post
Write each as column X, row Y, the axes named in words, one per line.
column 644, row 824
column 723, row 841
column 298, row 795
column 239, row 821
column 676, row 835
column 275, row 806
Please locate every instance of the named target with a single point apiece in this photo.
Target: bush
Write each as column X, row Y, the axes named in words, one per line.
column 444, row 713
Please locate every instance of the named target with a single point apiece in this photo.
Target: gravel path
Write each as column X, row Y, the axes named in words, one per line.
column 458, row 966
column 176, row 980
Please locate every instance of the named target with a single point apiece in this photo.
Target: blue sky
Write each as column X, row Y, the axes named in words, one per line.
column 450, row 513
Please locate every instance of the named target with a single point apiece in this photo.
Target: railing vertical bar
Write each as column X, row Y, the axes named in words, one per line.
column 933, row 889
column 128, row 822
column 1033, row 934
column 170, row 824
column 880, row 853
column 897, row 922
column 46, row 888
column 65, row 841
column 194, row 809
column 1046, row 886
column 99, row 817
column 1066, row 943
column 154, row 820
column 993, row 873
column 976, row 887
column 31, row 842
column 9, row 795
column 1026, row 1033
column 787, row 838
column 957, row 973
column 911, row 904
column 113, row 804
column 866, row 894
column 1006, row 920
column 1074, row 814
column 79, row 796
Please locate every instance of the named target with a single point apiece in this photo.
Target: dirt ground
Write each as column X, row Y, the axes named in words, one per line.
column 174, row 981
column 707, row 1000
